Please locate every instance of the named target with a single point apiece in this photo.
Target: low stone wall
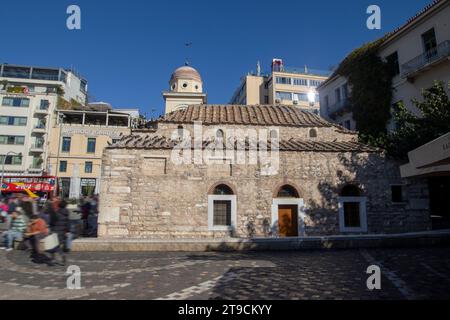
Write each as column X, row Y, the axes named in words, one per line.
column 422, row 239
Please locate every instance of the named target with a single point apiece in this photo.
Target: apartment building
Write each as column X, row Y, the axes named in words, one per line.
column 28, row 97
column 79, row 136
column 420, row 51
column 283, row 85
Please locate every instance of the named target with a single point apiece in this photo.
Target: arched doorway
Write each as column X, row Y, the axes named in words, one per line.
column 287, row 214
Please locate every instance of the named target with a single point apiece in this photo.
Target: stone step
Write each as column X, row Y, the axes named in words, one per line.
column 417, row 239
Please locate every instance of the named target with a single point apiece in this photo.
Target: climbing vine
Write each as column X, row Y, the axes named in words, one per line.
column 371, row 81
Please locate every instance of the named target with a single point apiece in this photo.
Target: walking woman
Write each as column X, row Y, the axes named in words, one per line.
column 60, row 224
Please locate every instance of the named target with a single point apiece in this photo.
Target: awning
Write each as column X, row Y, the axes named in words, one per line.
column 431, row 159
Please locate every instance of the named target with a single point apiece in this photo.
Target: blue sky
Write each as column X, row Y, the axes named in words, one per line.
column 128, row 49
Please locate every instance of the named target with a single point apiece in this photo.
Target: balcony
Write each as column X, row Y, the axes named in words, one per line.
column 339, row 108
column 427, row 60
column 36, row 168
column 38, row 147
column 39, row 129
column 41, row 111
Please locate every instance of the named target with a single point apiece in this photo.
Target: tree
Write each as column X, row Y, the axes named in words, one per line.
column 370, row 78
column 413, row 131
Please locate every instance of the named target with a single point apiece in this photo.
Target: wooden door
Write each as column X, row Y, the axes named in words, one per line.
column 288, row 221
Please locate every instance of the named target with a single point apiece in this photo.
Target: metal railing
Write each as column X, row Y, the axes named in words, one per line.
column 306, row 71
column 421, row 61
column 38, row 146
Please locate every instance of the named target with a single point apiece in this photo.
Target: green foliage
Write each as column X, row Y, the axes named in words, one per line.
column 371, row 81
column 413, row 130
column 60, row 90
column 63, row 104
column 15, row 89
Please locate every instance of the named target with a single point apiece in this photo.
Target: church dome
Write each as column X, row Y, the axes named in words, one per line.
column 186, row 73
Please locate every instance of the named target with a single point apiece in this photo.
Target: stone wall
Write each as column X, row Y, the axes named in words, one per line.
column 285, row 132
column 145, row 195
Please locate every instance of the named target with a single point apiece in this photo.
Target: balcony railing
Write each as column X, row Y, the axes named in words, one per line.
column 36, row 167
column 429, row 57
column 41, row 110
column 338, row 107
column 38, row 146
column 305, row 71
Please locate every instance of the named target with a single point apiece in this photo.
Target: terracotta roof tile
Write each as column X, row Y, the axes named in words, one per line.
column 156, row 142
column 266, row 115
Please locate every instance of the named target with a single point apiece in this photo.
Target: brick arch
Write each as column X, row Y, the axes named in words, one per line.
column 356, row 184
column 230, row 185
column 289, row 183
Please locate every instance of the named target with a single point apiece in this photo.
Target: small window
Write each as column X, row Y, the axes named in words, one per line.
column 63, row 166
column 313, row 133
column 222, row 213
column 44, row 104
column 337, row 93
column 11, row 160
column 273, row 134
column 393, row 64
column 185, row 85
column 88, row 167
column 347, row 124
column 397, row 194
column 66, row 144
column 219, row 134
column 221, row 208
column 352, row 210
column 91, row 145
column 180, row 132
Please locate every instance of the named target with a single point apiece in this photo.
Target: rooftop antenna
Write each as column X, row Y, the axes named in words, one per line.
column 258, row 68
column 188, row 45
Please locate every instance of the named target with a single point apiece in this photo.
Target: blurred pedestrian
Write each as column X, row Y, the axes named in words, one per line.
column 60, row 224
column 36, row 231
column 15, row 232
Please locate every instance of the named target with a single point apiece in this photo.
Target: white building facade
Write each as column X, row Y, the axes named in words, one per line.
column 28, row 98
column 420, row 50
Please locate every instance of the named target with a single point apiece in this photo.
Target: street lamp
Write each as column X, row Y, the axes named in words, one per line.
column 4, row 160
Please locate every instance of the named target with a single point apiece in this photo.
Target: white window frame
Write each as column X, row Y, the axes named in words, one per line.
column 288, row 201
column 211, row 199
column 362, row 214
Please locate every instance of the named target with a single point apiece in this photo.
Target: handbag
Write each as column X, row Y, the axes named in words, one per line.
column 49, row 242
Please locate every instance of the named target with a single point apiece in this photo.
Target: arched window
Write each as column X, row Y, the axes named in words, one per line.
column 219, row 134
column 222, row 190
column 352, row 210
column 287, row 191
column 313, row 133
column 221, row 209
column 180, row 131
column 273, row 134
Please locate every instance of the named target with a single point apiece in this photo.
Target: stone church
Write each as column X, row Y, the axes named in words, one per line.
column 325, row 182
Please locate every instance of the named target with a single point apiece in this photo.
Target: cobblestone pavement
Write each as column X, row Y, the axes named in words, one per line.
column 421, row 273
